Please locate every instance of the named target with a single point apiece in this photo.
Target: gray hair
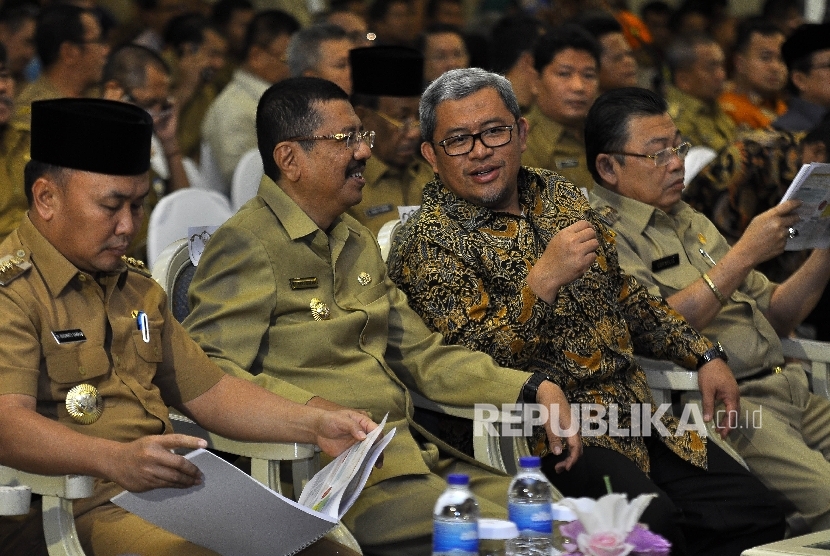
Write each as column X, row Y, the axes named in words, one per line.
column 304, row 49
column 461, row 83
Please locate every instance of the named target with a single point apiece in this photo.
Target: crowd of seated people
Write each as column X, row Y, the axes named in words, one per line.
column 751, row 88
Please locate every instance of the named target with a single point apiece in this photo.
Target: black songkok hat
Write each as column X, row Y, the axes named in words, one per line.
column 101, row 136
column 387, row 71
column 808, row 38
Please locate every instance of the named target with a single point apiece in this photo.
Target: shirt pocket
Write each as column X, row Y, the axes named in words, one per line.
column 76, row 365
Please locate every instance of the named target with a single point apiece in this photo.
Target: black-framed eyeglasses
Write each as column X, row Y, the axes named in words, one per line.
column 825, row 65
column 493, row 137
column 662, row 157
column 352, row 138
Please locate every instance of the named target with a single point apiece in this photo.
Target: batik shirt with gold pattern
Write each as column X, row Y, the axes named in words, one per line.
column 465, row 268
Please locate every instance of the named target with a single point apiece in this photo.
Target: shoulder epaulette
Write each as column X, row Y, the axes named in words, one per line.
column 608, row 215
column 13, row 266
column 136, row 265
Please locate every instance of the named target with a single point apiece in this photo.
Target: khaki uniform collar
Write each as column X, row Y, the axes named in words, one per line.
column 55, row 269
column 640, row 215
column 295, row 221
column 551, row 130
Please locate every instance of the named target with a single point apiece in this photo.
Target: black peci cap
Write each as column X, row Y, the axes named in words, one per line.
column 808, row 38
column 101, row 136
column 387, row 71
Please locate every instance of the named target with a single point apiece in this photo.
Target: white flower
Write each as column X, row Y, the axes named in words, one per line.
column 612, row 512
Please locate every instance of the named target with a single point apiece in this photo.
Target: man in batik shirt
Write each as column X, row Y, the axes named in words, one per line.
column 512, row 261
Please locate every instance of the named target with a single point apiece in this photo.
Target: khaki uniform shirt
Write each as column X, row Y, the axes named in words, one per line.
column 252, row 300
column 14, row 154
column 700, row 123
column 40, row 89
column 136, row 379
column 387, row 189
column 661, row 251
column 553, row 147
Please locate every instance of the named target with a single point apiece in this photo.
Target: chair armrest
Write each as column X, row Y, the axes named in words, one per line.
column 58, row 492
column 62, row 486
column 818, row 355
column 498, row 451
column 664, row 377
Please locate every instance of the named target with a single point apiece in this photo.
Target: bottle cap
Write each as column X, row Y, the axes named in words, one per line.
column 530, row 461
column 497, row 529
column 561, row 513
column 458, row 479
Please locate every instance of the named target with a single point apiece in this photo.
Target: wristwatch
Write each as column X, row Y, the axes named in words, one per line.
column 531, row 387
column 715, row 352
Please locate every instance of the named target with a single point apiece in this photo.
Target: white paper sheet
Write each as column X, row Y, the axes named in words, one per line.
column 230, row 512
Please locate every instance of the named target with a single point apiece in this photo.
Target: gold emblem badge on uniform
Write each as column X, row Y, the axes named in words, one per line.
column 319, row 310
column 84, row 404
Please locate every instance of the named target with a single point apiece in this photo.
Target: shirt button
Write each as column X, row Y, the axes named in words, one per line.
column 82, row 277
column 21, row 253
column 82, row 371
column 117, row 360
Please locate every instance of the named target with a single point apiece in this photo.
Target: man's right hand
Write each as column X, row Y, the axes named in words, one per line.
column 766, row 235
column 549, row 395
column 568, row 255
column 149, row 463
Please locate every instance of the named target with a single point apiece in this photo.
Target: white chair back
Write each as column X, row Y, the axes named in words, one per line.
column 697, row 159
column 385, row 236
column 246, row 178
column 178, row 211
column 209, row 170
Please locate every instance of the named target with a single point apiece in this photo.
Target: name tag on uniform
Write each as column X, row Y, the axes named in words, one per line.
column 665, row 262
column 567, row 163
column 69, row 336
column 303, row 283
column 378, row 209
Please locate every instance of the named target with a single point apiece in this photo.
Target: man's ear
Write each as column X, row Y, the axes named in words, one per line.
column 607, row 168
column 288, row 161
column 428, row 152
column 46, row 198
column 799, row 79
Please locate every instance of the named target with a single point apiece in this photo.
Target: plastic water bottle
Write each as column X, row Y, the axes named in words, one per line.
column 455, row 520
column 529, row 507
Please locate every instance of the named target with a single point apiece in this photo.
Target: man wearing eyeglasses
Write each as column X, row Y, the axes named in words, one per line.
column 139, row 76
column 676, row 252
column 513, row 262
column 387, row 82
column 293, row 294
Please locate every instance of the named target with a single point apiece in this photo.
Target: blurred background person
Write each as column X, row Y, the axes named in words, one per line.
column 229, row 126
column 321, row 50
column 17, row 34
column 444, row 49
column 513, row 39
column 754, row 97
column 14, row 151
column 807, row 54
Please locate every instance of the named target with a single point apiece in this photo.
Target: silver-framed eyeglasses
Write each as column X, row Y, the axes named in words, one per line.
column 352, row 138
column 663, row 157
column 491, row 137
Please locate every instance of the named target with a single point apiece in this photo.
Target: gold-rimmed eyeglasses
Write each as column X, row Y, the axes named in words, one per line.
column 662, row 157
column 352, row 138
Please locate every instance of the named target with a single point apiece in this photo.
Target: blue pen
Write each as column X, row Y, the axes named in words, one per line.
column 144, row 326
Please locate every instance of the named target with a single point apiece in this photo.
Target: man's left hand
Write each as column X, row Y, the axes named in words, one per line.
column 717, row 384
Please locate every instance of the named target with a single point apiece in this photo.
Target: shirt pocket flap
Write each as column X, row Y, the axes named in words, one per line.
column 77, row 364
column 150, row 351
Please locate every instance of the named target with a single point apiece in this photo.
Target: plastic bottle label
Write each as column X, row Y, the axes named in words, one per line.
column 531, row 517
column 455, row 537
